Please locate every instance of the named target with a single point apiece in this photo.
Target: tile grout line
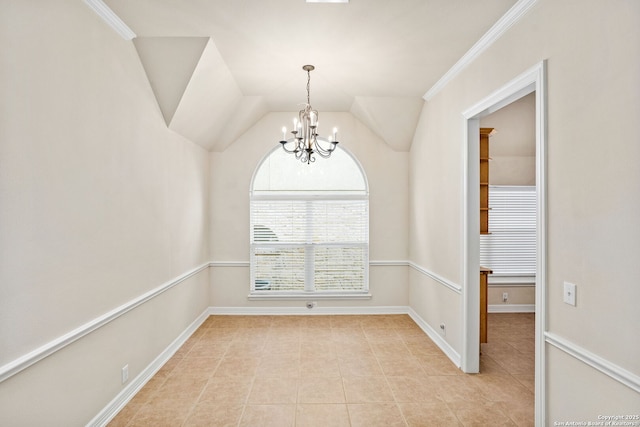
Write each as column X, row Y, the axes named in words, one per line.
column 376, row 334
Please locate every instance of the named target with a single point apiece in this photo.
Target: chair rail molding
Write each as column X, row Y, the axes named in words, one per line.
column 25, row 361
column 128, row 392
column 601, row 364
column 441, row 280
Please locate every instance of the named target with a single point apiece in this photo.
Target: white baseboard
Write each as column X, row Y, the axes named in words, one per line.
column 431, row 333
column 436, row 338
column 127, row 393
column 511, row 308
column 25, row 361
column 249, row 311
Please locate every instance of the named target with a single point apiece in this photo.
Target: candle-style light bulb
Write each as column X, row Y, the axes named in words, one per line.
column 284, row 133
column 335, row 134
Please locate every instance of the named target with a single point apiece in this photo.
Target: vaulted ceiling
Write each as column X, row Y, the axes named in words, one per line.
column 216, row 67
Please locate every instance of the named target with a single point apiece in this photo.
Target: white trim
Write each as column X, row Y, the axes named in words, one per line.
column 511, row 308
column 327, row 1
column 447, row 283
column 372, row 263
column 470, row 301
column 128, row 392
column 513, row 90
column 257, row 297
column 540, row 73
column 286, row 196
column 533, row 80
column 274, row 311
column 113, row 20
column 608, row 368
column 389, row 263
column 449, row 351
column 23, row 362
column 349, row 153
column 512, row 16
column 498, row 281
column 306, row 297
column 229, row 264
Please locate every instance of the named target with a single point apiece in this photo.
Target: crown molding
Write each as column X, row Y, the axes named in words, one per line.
column 509, row 19
column 109, row 16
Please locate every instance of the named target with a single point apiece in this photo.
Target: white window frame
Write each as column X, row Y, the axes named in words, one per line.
column 309, row 245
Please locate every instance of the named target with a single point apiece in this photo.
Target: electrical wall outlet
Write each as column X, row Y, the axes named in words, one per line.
column 505, row 296
column 569, row 294
column 443, row 329
column 125, row 373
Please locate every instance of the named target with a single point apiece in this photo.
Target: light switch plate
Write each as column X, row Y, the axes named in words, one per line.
column 569, row 294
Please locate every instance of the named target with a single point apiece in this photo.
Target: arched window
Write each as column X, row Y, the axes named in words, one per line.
column 309, row 226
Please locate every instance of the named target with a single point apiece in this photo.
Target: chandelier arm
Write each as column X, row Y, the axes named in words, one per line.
column 284, row 146
column 326, row 151
column 323, row 155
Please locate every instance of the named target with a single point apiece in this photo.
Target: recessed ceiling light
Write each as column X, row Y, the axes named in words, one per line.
column 327, row 1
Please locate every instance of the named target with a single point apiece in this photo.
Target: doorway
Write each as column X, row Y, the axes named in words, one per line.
column 532, row 81
column 507, row 209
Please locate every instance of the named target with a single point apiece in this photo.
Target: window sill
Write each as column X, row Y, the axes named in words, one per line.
column 513, row 280
column 306, row 297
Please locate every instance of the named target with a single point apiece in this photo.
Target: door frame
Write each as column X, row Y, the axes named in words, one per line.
column 533, row 80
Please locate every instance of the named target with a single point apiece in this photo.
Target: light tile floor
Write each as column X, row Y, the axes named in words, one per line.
column 337, row 371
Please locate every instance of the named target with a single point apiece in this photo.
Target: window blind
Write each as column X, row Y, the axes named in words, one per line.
column 309, row 245
column 510, row 248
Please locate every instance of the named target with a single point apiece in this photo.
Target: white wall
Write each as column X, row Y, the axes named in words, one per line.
column 512, row 145
column 99, row 204
column 231, row 173
column 593, row 189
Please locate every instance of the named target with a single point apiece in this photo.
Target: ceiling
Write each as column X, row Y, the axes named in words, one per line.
column 216, row 67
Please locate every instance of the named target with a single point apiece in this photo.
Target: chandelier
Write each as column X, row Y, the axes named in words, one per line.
column 306, row 143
